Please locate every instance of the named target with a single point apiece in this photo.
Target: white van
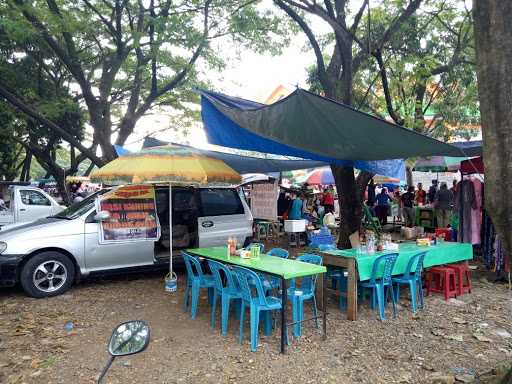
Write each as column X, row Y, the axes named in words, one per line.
column 48, row 255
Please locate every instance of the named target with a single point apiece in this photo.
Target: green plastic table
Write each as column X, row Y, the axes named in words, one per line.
column 284, row 268
column 445, row 253
column 359, row 266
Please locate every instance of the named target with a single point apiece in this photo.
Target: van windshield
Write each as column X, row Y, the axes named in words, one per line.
column 78, row 209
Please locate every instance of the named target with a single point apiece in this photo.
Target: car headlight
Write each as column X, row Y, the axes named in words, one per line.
column 3, row 246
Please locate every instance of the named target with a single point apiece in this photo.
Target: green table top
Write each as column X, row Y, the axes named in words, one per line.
column 445, row 253
column 285, row 268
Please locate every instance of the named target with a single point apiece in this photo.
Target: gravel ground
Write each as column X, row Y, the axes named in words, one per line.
column 464, row 338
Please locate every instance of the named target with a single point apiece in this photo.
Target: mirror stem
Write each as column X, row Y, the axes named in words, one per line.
column 105, row 370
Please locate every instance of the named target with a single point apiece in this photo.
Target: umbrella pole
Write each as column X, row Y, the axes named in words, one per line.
column 170, row 230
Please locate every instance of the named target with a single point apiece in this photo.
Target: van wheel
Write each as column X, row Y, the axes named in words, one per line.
column 47, row 274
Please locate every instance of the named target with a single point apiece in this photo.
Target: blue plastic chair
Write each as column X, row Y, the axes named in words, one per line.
column 377, row 284
column 306, row 291
column 196, row 279
column 279, row 252
column 261, row 245
column 253, row 296
column 412, row 277
column 271, row 282
column 227, row 287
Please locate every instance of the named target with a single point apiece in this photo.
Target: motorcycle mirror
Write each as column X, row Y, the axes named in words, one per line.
column 129, row 338
column 102, row 216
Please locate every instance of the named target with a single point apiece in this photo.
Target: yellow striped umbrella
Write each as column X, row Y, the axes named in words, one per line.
column 169, row 164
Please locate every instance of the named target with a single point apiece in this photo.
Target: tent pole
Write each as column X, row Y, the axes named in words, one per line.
column 170, row 230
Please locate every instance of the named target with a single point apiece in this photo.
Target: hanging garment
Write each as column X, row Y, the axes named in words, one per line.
column 465, row 202
column 476, row 212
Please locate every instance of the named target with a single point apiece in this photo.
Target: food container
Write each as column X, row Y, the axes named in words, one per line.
column 295, row 225
column 425, row 242
column 245, row 254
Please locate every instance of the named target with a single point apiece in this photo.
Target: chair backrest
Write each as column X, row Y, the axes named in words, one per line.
column 387, row 270
column 251, row 286
column 279, row 252
column 326, row 247
column 308, row 283
column 193, row 266
column 261, row 245
column 415, row 265
column 219, row 269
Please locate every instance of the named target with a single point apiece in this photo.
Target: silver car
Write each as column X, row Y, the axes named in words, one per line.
column 48, row 255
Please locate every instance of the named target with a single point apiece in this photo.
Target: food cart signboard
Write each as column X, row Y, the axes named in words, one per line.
column 133, row 214
column 264, row 201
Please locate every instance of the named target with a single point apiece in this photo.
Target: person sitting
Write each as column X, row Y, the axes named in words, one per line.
column 329, row 219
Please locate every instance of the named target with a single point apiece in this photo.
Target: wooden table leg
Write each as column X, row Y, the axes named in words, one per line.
column 352, row 290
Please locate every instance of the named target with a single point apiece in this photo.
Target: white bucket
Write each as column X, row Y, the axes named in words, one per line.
column 171, row 282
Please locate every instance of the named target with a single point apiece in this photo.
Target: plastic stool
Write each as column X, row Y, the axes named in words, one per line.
column 444, row 280
column 462, row 271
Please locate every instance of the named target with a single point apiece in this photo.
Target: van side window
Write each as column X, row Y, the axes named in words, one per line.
column 219, row 202
column 33, row 198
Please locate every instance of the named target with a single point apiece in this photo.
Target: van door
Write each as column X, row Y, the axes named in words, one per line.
column 33, row 205
column 222, row 215
column 113, row 255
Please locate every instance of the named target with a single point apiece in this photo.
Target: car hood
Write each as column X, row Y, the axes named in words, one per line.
column 41, row 228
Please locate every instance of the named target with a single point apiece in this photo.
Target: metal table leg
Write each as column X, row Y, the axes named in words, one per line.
column 284, row 296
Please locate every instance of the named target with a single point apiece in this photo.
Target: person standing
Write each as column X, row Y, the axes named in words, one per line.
column 443, row 204
column 382, row 208
column 295, row 208
column 408, row 206
column 454, row 187
column 432, row 191
column 329, row 199
column 371, row 193
column 420, row 196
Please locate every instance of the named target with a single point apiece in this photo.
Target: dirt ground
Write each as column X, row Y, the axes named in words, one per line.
column 463, row 338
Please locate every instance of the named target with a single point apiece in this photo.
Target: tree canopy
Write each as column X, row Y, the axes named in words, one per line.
column 122, row 58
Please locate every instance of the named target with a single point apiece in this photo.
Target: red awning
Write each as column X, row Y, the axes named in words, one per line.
column 475, row 165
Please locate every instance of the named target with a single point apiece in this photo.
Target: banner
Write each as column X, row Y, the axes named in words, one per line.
column 132, row 214
column 264, row 201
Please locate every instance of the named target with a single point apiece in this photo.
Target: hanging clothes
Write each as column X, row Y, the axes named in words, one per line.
column 476, row 212
column 501, row 263
column 465, row 202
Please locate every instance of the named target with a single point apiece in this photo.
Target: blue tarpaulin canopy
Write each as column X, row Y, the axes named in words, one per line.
column 309, row 126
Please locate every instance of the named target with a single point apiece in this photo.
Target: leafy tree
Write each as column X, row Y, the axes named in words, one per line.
column 41, row 83
column 126, row 57
column 493, row 38
column 349, row 53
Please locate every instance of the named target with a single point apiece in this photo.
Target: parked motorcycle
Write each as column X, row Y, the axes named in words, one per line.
column 127, row 338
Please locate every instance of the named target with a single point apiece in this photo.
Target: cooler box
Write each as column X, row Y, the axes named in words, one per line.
column 295, row 225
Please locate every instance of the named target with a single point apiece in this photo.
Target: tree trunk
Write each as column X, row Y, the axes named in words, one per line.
column 351, row 193
column 493, row 38
column 408, row 176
